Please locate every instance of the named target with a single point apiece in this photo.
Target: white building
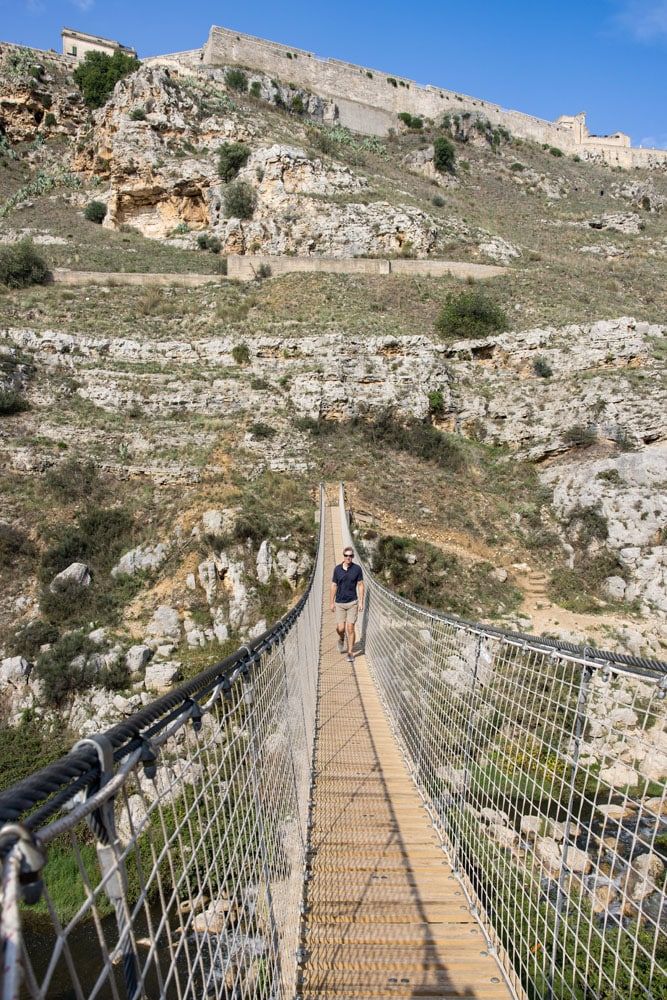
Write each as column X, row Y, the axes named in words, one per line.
column 77, row 44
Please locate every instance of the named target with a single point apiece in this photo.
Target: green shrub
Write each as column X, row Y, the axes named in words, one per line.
column 542, row 368
column 207, row 242
column 70, row 667
column 438, row 201
column 12, row 402
column 405, row 117
column 444, row 155
column 231, row 157
column 416, row 437
column 589, row 523
column 236, row 79
column 50, row 120
column 264, row 271
column 317, row 426
column 21, row 265
column 256, row 89
column 29, row 640
column 470, row 314
column 96, row 211
column 580, row 435
column 555, row 151
column 97, row 538
column 391, row 81
column 517, row 167
column 436, row 402
column 240, row 200
column 99, row 73
column 241, row 354
column 73, row 480
column 262, row 431
column 14, row 544
column 297, row 105
column 138, row 114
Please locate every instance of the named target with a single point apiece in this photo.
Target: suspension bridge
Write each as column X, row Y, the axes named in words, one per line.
column 442, row 818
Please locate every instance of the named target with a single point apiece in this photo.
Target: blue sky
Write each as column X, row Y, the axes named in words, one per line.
column 605, row 57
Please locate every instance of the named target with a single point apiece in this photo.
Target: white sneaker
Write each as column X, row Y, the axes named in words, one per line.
column 350, row 658
column 341, row 646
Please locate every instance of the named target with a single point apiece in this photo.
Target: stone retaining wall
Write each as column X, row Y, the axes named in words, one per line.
column 247, row 268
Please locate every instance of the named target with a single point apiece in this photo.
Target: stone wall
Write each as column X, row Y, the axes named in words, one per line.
column 369, row 100
column 245, row 268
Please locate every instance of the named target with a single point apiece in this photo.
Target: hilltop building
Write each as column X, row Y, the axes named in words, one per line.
column 77, row 44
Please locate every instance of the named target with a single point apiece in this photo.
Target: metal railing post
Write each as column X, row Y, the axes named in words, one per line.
column 579, row 726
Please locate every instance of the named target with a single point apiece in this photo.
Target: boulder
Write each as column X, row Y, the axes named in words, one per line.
column 98, row 636
column 657, row 805
column 287, row 563
column 208, row 578
column 654, row 766
column 264, row 562
column 132, row 818
column 614, row 588
column 136, row 659
column 495, row 817
column 503, row 835
column 214, row 919
column 161, row 676
column 143, row 558
column 165, row 624
column 218, row 522
column 618, row 775
column 77, row 573
column 615, row 812
column 14, row 670
column 551, row 855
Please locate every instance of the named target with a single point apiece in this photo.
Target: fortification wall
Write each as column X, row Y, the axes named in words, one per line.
column 369, row 100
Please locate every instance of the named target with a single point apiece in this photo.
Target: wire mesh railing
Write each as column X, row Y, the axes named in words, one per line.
column 543, row 767
column 166, row 856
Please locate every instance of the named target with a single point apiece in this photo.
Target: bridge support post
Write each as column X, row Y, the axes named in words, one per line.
column 579, row 726
column 102, row 823
column 470, row 730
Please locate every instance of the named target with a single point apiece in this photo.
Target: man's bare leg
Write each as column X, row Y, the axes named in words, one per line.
column 350, row 638
column 340, row 632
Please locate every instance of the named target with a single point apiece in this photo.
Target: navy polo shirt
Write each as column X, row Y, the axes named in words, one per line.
column 346, row 581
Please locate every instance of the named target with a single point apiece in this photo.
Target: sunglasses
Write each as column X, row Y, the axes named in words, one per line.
column 348, row 555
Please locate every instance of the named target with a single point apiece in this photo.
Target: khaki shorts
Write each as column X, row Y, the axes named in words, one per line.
column 347, row 613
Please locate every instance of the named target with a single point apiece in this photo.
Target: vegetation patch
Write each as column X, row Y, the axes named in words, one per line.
column 428, row 576
column 21, row 265
column 471, row 315
column 231, row 157
column 99, row 73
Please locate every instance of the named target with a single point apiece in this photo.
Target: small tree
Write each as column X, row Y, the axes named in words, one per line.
column 470, row 314
column 21, row 265
column 297, row 105
column 444, row 155
column 231, row 157
column 99, row 73
column 240, row 200
column 95, row 212
column 236, row 79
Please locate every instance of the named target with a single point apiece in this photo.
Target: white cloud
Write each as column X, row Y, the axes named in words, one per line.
column 646, row 20
column 83, row 5
column 654, row 141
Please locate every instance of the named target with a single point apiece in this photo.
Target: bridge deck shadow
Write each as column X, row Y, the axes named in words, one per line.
column 386, row 917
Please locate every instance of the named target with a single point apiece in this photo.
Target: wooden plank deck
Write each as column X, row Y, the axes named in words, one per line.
column 386, row 916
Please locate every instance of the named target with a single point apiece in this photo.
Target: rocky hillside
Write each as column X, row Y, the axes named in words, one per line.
column 160, row 447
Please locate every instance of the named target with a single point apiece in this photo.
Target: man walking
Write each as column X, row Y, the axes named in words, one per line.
column 347, row 600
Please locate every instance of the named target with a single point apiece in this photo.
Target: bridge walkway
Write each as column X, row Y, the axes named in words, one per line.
column 386, row 916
